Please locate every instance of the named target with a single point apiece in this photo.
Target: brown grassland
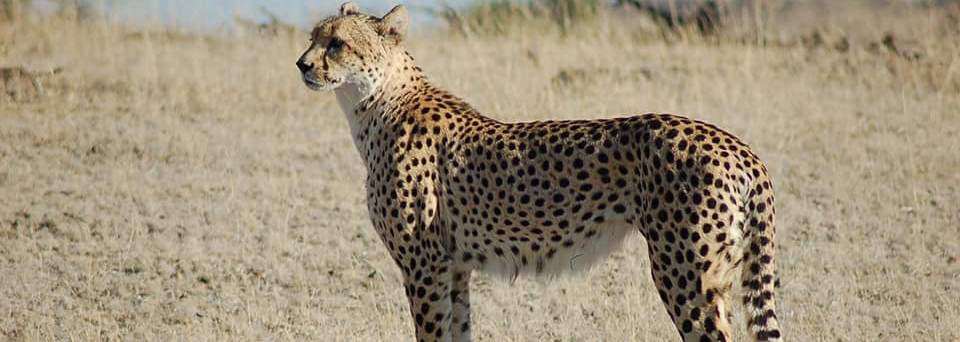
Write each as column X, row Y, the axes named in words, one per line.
column 166, row 185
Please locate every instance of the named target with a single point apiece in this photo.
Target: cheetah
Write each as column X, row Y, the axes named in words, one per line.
column 450, row 191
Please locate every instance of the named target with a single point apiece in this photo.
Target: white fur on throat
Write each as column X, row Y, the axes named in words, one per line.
column 357, row 89
column 349, row 96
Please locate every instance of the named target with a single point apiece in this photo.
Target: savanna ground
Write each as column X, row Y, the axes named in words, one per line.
column 165, row 185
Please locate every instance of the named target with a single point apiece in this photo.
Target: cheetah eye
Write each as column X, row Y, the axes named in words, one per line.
column 335, row 43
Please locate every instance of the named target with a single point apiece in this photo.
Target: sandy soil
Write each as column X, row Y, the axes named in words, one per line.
column 170, row 186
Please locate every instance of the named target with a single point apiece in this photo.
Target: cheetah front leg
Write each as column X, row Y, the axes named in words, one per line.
column 428, row 283
column 460, row 296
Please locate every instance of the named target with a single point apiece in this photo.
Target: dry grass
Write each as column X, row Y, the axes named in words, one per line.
column 169, row 186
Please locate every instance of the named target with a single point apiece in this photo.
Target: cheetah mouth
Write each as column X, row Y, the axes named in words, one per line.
column 320, row 84
column 311, row 83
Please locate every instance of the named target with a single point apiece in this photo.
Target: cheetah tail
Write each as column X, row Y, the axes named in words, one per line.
column 758, row 271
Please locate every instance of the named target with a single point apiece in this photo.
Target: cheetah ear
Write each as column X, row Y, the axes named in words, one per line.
column 349, row 8
column 393, row 25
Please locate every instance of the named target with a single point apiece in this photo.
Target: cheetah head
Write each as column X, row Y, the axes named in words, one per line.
column 352, row 47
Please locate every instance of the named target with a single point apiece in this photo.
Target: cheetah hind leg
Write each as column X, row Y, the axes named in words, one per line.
column 694, row 289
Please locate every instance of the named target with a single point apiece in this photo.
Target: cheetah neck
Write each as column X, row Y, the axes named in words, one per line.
column 361, row 101
column 349, row 96
column 399, row 76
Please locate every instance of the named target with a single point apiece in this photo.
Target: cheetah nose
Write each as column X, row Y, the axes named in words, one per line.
column 304, row 66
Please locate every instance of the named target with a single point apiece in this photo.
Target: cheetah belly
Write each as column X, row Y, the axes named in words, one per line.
column 554, row 259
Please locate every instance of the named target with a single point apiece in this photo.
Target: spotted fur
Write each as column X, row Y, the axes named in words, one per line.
column 450, row 191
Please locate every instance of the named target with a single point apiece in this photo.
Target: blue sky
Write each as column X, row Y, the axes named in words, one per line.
column 216, row 14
